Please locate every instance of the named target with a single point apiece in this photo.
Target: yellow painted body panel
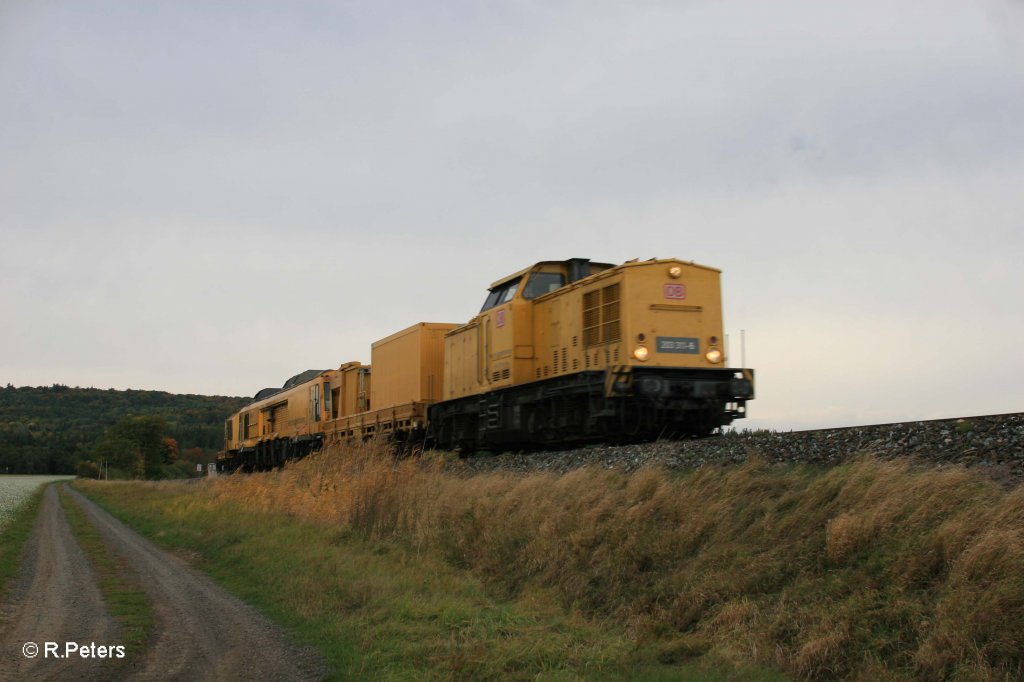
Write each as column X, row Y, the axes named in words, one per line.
column 463, row 370
column 592, row 324
column 408, row 366
column 697, row 316
column 350, row 390
column 282, row 415
column 499, row 347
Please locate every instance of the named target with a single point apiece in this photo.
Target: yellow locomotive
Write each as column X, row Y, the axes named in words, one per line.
column 561, row 352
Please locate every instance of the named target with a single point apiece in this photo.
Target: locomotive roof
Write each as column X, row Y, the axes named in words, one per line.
column 302, row 378
column 297, row 380
column 503, row 280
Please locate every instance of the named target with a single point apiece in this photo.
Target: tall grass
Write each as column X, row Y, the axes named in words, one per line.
column 868, row 569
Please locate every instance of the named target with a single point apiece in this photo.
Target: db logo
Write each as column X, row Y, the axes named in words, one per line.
column 675, row 291
column 499, row 318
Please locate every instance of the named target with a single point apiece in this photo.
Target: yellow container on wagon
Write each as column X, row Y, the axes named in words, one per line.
column 408, row 366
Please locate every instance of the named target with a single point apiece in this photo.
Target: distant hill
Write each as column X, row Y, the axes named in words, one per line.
column 46, row 430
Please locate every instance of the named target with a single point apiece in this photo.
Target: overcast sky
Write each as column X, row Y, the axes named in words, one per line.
column 210, row 197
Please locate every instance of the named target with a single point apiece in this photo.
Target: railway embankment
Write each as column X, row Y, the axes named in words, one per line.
column 871, row 567
column 992, row 444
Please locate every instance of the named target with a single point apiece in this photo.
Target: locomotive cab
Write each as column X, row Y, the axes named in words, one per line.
column 497, row 348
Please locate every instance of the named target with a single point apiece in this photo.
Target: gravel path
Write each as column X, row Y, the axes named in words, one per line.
column 200, row 633
column 56, row 599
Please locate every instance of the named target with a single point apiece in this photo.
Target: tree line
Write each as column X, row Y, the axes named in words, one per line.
column 153, row 434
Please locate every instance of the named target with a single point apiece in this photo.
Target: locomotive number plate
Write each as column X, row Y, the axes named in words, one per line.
column 678, row 344
column 676, row 292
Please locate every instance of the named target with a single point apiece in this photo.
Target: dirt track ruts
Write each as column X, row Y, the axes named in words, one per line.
column 56, row 599
column 201, row 632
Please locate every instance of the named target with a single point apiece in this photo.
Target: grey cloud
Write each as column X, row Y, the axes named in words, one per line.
column 182, row 181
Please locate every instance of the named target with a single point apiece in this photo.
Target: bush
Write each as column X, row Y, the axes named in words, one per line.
column 88, row 469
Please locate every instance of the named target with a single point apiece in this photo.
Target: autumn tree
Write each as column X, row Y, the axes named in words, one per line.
column 137, row 445
column 87, row 469
column 48, row 429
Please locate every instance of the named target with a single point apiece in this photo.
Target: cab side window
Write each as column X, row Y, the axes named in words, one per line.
column 510, row 292
column 543, row 283
column 502, row 294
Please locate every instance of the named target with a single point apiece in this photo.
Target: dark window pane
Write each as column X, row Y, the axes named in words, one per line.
column 542, row 283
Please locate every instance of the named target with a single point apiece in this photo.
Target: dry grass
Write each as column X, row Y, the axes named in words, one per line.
column 869, row 569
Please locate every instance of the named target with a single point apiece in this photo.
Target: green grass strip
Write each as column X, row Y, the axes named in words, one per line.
column 125, row 600
column 376, row 611
column 13, row 538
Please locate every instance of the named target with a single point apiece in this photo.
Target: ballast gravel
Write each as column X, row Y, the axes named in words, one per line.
column 993, row 443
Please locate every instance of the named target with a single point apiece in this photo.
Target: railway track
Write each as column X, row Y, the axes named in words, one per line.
column 994, row 443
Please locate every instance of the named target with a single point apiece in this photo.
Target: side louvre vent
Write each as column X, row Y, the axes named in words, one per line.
column 591, row 318
column 279, row 416
column 611, row 329
column 601, row 312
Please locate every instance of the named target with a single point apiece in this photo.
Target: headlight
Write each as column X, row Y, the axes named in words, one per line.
column 640, row 353
column 675, row 271
column 714, row 356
